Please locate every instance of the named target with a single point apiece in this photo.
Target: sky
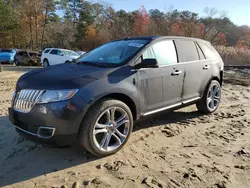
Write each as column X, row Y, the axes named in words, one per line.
column 237, row 10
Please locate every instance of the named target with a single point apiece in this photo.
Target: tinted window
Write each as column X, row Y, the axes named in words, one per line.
column 54, row 52
column 114, row 52
column 46, row 51
column 22, row 53
column 207, row 51
column 201, row 55
column 32, row 54
column 6, row 50
column 165, row 52
column 186, row 50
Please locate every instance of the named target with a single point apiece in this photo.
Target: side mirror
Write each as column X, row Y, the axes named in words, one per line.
column 148, row 63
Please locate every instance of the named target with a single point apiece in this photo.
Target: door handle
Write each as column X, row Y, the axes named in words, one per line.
column 175, row 73
column 206, row 67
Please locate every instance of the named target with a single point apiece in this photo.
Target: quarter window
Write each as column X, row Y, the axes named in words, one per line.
column 187, row 50
column 165, row 52
column 207, row 51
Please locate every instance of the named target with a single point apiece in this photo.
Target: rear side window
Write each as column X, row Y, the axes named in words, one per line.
column 207, row 51
column 54, row 52
column 165, row 52
column 46, row 51
column 186, row 50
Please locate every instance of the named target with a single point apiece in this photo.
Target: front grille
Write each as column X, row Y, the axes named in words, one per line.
column 26, row 99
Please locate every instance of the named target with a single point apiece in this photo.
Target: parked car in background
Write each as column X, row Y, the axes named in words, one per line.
column 97, row 99
column 29, row 58
column 7, row 55
column 80, row 52
column 55, row 56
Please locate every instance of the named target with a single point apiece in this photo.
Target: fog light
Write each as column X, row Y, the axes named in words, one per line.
column 45, row 132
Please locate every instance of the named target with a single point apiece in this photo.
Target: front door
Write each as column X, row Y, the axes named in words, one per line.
column 162, row 85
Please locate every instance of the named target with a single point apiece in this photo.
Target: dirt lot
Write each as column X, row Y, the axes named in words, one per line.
column 180, row 149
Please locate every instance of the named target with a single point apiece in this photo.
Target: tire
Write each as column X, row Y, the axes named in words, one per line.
column 210, row 100
column 45, row 63
column 106, row 140
column 16, row 62
column 30, row 63
column 67, row 61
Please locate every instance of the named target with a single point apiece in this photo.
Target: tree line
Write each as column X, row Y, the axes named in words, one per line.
column 83, row 25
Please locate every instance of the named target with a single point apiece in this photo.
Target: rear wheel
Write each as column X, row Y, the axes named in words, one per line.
column 45, row 63
column 106, row 127
column 211, row 99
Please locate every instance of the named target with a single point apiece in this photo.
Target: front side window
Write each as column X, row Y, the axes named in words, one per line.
column 59, row 52
column 165, row 52
column 70, row 53
column 114, row 53
column 186, row 50
column 148, row 54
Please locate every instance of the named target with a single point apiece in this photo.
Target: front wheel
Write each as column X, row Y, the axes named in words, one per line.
column 16, row 62
column 45, row 63
column 211, row 99
column 106, row 127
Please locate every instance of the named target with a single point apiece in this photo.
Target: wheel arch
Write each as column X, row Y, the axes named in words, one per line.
column 117, row 96
column 125, row 99
column 45, row 59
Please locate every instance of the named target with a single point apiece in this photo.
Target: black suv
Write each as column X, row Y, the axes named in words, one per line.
column 96, row 100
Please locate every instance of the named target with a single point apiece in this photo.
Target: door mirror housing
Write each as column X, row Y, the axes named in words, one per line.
column 147, row 63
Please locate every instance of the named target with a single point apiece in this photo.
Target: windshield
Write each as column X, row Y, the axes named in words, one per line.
column 71, row 53
column 115, row 52
column 32, row 54
column 6, row 50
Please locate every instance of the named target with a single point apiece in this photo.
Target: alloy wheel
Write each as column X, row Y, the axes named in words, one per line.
column 111, row 129
column 213, row 97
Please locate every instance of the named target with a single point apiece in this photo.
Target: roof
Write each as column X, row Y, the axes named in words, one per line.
column 164, row 37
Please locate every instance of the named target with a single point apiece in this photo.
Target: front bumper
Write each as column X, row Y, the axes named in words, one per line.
column 53, row 123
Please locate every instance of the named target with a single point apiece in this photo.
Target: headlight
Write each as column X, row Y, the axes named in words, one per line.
column 57, row 95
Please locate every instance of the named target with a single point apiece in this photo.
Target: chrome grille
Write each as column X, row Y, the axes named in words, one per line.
column 26, row 99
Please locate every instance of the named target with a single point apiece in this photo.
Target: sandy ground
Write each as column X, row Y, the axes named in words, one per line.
column 179, row 149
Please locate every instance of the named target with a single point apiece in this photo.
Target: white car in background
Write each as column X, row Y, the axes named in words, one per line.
column 55, row 56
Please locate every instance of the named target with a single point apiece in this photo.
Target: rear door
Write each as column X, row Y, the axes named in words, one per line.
column 197, row 69
column 163, row 84
column 53, row 57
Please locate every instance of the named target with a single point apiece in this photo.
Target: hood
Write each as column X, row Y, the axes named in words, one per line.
column 65, row 76
column 73, row 56
column 6, row 54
